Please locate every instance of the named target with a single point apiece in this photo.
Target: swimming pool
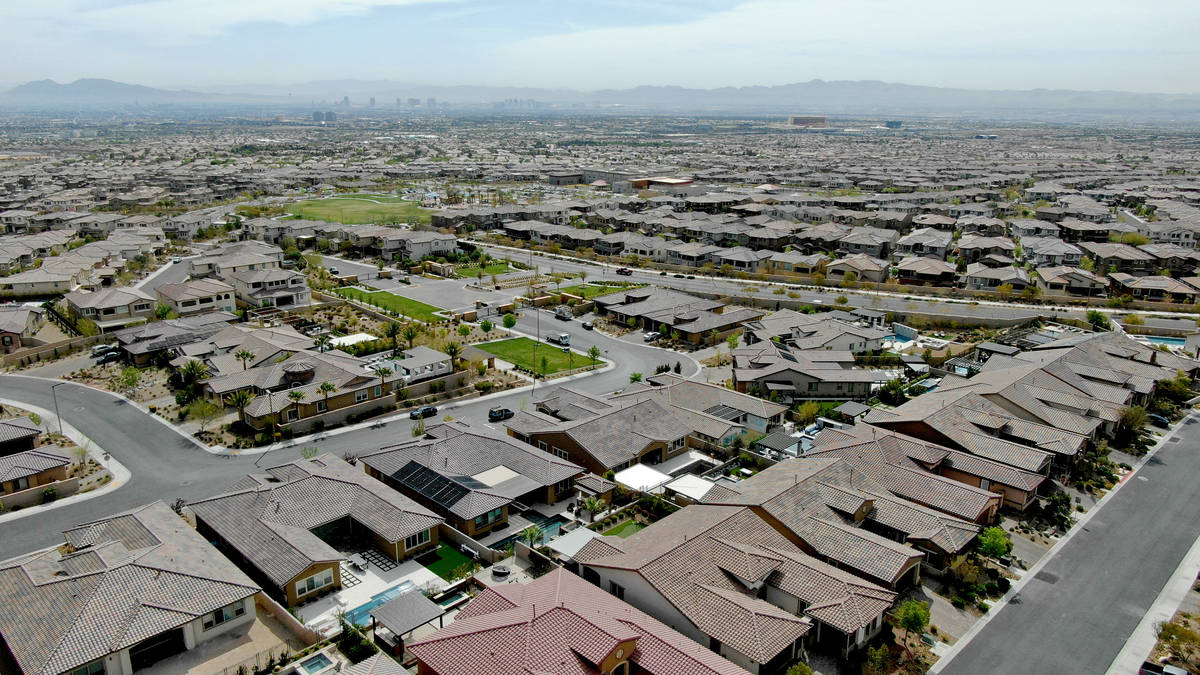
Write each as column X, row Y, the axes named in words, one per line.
column 1159, row 340
column 361, row 615
column 550, row 526
column 314, row 664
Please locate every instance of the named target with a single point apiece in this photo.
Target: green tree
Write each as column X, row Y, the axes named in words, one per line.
column 850, row 279
column 994, row 542
column 841, row 300
column 240, row 399
column 245, row 356
column 913, row 617
column 486, row 326
column 545, row 365
column 464, row 330
column 392, row 331
column 593, row 352
column 1087, row 264
column 807, row 412
column 732, row 341
column 410, row 333
column 162, row 311
column 509, row 320
column 1133, row 419
column 204, row 411
column 1177, row 389
column 631, row 322
column 1098, row 320
column 799, row 668
column 635, row 377
column 323, row 342
column 593, row 505
column 532, row 536
column 453, row 349
column 1133, row 320
column 878, row 661
column 382, row 373
column 131, row 377
column 326, row 388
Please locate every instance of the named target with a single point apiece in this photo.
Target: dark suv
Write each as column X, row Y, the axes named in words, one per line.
column 499, row 414
column 423, row 411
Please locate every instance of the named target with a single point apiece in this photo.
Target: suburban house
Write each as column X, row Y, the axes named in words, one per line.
column 925, row 242
column 1175, row 259
column 577, row 628
column 32, row 468
column 815, row 331
column 870, row 241
column 472, row 476
column 696, row 320
column 1070, row 281
column 119, row 595
column 768, row 368
column 972, row 247
column 1152, row 287
column 288, row 394
column 1049, row 251
column 865, row 267
column 798, row 263
column 291, row 526
column 196, row 296
column 111, row 308
column 271, row 288
column 724, row 577
column 1110, row 257
column 980, row 277
column 1028, row 227
column 696, row 401
column 918, row 271
column 18, row 326
column 612, row 439
column 230, row 258
column 145, row 343
column 17, row 434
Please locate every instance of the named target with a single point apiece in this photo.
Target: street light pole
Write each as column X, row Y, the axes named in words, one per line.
column 54, row 395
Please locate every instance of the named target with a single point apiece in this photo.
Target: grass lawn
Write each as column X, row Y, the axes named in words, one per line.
column 443, row 561
column 625, row 529
column 587, row 291
column 359, row 211
column 396, row 303
column 520, row 351
column 488, row 270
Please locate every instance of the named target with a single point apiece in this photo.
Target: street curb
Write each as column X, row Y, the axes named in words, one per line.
column 120, row 474
column 1049, row 555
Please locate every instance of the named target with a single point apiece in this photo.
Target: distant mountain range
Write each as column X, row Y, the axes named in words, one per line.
column 815, row 96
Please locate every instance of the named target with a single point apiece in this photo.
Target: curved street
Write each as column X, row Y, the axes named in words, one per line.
column 167, row 465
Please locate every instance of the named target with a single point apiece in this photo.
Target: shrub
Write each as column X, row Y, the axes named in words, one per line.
column 49, row 494
column 483, row 386
column 958, row 602
column 992, row 589
column 1003, row 584
column 983, row 606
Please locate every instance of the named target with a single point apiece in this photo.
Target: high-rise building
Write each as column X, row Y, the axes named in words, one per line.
column 372, row 103
column 414, row 102
column 318, row 116
column 346, row 101
column 431, row 102
column 892, row 124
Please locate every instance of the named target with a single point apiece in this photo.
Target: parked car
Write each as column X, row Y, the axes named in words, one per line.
column 499, row 414
column 1158, row 420
column 678, row 276
column 423, row 411
column 334, row 271
column 587, row 325
column 108, row 357
column 651, row 336
column 101, row 350
column 176, row 259
column 625, row 272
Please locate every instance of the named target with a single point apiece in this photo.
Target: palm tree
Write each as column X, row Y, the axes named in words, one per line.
column 296, row 396
column 410, row 333
column 327, row 388
column 393, row 331
column 593, row 505
column 240, row 399
column 532, row 536
column 322, row 342
column 453, row 349
column 192, row 372
column 245, row 356
column 382, row 372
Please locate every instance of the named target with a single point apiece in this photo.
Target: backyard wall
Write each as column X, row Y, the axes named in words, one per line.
column 33, row 495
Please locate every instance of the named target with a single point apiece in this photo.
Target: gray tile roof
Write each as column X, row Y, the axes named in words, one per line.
column 32, row 462
column 270, row 522
column 127, row 578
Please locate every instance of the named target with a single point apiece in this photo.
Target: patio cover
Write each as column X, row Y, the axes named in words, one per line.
column 407, row 613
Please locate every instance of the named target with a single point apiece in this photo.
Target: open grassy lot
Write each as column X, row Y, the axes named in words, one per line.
column 359, row 211
column 392, row 302
column 625, row 529
column 520, row 351
column 443, row 561
column 488, row 270
column 587, row 291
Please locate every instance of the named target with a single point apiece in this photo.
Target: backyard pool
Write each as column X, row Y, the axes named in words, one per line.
column 313, row 664
column 1159, row 340
column 361, row 615
column 550, row 526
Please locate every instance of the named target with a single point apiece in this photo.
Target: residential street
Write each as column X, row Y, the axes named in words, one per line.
column 166, row 465
column 1076, row 613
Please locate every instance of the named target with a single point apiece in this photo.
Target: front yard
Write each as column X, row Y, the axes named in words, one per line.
column 529, row 355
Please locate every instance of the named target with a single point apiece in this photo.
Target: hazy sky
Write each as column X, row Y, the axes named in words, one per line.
column 1092, row 44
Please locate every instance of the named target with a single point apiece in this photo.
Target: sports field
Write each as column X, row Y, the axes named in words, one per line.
column 357, row 211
